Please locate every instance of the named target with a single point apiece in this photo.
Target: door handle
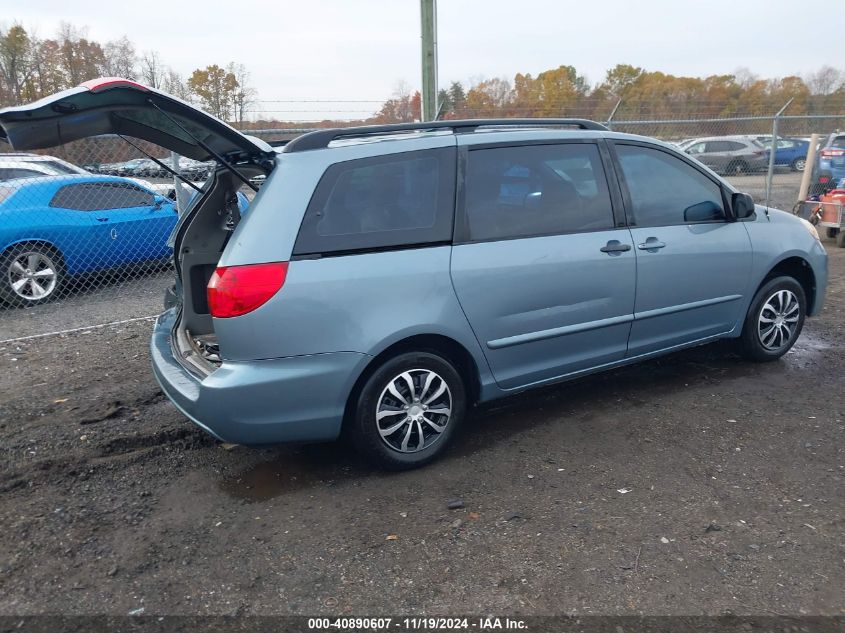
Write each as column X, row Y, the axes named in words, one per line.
column 102, row 219
column 651, row 244
column 615, row 246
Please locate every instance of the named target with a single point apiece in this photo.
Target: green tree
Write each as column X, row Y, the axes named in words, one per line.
column 15, row 62
column 215, row 87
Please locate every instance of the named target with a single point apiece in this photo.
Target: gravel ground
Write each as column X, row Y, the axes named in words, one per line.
column 694, row 484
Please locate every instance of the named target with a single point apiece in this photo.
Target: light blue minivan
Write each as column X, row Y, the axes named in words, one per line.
column 388, row 278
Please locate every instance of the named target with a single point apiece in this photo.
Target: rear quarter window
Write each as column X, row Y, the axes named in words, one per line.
column 403, row 199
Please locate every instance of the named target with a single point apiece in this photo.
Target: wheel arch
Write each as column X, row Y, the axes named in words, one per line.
column 799, row 269
column 36, row 242
column 440, row 344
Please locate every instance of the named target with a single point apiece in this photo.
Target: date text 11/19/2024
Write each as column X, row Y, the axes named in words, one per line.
column 416, row 624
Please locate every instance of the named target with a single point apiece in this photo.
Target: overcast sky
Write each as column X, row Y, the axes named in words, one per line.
column 360, row 49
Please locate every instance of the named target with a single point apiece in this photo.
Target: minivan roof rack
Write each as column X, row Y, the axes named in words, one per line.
column 321, row 138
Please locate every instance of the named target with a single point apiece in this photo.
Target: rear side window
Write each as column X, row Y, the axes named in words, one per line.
column 401, row 199
column 665, row 190
column 718, row 146
column 531, row 190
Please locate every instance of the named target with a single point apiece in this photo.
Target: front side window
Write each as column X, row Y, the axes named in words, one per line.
column 664, row 190
column 101, row 196
column 533, row 190
column 387, row 201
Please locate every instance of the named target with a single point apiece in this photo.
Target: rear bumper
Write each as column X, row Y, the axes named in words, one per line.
column 294, row 399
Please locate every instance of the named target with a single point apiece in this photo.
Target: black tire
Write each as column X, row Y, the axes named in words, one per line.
column 840, row 239
column 47, row 258
column 798, row 164
column 736, row 168
column 831, row 232
column 751, row 342
column 375, row 396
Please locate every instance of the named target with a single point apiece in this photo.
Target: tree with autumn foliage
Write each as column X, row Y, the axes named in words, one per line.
column 216, row 88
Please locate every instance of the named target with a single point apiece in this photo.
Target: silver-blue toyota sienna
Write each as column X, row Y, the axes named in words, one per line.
column 385, row 279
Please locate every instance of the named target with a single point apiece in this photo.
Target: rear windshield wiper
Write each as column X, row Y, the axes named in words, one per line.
column 162, row 165
column 208, row 149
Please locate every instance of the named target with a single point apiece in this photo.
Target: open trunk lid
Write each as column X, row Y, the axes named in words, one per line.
column 112, row 105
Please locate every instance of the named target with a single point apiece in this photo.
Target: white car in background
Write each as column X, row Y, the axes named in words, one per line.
column 24, row 165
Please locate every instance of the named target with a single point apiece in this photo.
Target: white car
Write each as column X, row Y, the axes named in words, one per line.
column 23, row 165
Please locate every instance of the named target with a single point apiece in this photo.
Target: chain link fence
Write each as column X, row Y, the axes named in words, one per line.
column 84, row 227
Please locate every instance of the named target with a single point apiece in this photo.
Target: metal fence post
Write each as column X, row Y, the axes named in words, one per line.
column 178, row 187
column 609, row 122
column 770, row 173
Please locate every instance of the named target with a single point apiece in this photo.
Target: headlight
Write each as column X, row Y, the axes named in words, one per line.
column 810, row 229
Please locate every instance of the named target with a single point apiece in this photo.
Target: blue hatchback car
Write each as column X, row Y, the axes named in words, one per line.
column 387, row 278
column 790, row 152
column 56, row 227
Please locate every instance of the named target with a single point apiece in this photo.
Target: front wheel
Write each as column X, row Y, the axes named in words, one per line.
column 774, row 320
column 32, row 274
column 408, row 411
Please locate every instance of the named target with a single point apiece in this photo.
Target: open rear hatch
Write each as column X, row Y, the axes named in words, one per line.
column 113, row 105
column 118, row 106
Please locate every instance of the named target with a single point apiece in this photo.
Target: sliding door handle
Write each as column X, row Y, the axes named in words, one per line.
column 651, row 244
column 615, row 246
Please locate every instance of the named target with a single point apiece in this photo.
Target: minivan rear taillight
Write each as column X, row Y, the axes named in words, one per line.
column 237, row 290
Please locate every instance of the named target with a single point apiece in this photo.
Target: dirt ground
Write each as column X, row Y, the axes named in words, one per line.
column 695, row 484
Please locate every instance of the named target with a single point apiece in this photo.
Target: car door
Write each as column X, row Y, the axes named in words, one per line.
column 138, row 223
column 543, row 268
column 127, row 224
column 693, row 261
column 86, row 244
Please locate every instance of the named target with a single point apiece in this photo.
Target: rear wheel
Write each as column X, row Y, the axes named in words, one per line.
column 774, row 320
column 840, row 239
column 408, row 411
column 798, row 164
column 32, row 274
column 737, row 167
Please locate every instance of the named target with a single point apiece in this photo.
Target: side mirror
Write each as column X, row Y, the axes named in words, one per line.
column 742, row 205
column 159, row 202
column 707, row 211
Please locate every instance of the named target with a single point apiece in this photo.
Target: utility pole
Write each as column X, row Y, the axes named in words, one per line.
column 428, row 20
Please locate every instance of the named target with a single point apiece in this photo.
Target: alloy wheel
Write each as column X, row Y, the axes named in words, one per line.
column 32, row 275
column 413, row 410
column 778, row 320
